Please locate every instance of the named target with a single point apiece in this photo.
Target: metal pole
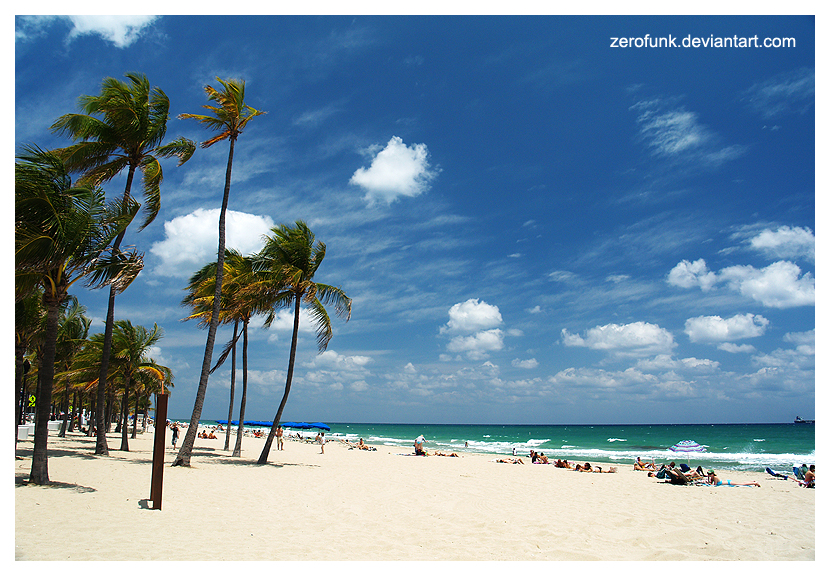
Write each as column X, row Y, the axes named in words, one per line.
column 158, row 452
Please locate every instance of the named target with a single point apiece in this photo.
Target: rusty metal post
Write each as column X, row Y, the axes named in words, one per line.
column 158, row 452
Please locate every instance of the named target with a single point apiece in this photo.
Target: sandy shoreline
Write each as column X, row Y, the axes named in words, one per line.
column 384, row 506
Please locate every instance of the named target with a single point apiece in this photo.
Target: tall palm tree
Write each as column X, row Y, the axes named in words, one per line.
column 289, row 262
column 62, row 235
column 229, row 117
column 123, row 127
column 238, row 306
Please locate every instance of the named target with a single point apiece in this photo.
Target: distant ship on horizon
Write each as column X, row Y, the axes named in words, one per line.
column 799, row 420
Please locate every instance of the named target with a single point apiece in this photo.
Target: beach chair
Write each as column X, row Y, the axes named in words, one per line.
column 770, row 471
column 797, row 472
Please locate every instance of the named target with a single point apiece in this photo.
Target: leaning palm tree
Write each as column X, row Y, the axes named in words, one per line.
column 62, row 235
column 123, row 127
column 289, row 262
column 229, row 117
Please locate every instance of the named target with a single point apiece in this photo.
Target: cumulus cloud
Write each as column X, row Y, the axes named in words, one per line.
column 785, row 242
column 525, row 364
column 779, row 285
column 473, row 329
column 191, row 240
column 471, row 316
column 635, row 339
column 688, row 274
column 477, row 346
column 396, row 170
column 713, row 329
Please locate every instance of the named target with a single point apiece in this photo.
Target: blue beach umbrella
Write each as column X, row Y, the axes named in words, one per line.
column 687, row 447
column 321, row 426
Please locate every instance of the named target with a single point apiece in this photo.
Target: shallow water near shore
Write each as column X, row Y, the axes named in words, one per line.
column 746, row 447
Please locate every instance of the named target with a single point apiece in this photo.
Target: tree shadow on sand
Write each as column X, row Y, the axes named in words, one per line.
column 23, row 481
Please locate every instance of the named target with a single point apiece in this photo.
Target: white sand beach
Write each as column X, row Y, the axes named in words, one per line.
column 385, row 505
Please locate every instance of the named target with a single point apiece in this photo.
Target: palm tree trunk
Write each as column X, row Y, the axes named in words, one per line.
column 183, row 458
column 135, row 415
column 233, row 380
column 101, row 442
column 125, row 413
column 65, row 410
column 267, row 447
column 238, row 446
column 40, row 471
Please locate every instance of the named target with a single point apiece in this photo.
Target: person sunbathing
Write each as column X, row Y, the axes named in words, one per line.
column 562, row 464
column 599, row 469
column 643, row 466
column 713, row 480
column 586, row 468
column 541, row 458
column 516, row 461
column 438, row 454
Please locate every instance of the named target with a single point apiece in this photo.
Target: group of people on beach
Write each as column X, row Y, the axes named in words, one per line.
column 684, row 475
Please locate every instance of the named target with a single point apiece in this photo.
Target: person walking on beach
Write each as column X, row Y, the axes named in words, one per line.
column 279, row 438
column 322, row 441
column 175, row 429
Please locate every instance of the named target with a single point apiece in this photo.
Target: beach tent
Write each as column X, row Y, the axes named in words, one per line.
column 687, row 447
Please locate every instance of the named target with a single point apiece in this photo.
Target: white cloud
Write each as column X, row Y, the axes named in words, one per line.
column 668, row 362
column 778, row 285
column 688, row 274
column 525, row 364
column 734, row 348
column 191, row 240
column 477, row 346
column 785, row 242
column 673, row 132
column 713, row 329
column 789, row 92
column 472, row 316
column 121, row 30
column 636, row 339
column 397, row 170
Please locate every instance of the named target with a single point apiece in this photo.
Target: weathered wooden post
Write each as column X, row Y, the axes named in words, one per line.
column 158, row 451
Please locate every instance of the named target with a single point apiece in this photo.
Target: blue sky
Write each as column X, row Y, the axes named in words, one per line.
column 534, row 226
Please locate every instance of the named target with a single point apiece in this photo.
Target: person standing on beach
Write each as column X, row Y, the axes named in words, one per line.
column 322, row 441
column 175, row 428
column 279, row 438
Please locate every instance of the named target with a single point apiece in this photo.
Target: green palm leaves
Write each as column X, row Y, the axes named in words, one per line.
column 230, row 115
column 123, row 127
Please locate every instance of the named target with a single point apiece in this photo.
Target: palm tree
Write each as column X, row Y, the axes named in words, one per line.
column 229, row 118
column 128, row 134
column 238, row 305
column 129, row 365
column 289, row 261
column 72, row 337
column 62, row 235
column 28, row 322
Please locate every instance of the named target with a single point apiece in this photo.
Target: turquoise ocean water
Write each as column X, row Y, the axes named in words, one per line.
column 750, row 447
